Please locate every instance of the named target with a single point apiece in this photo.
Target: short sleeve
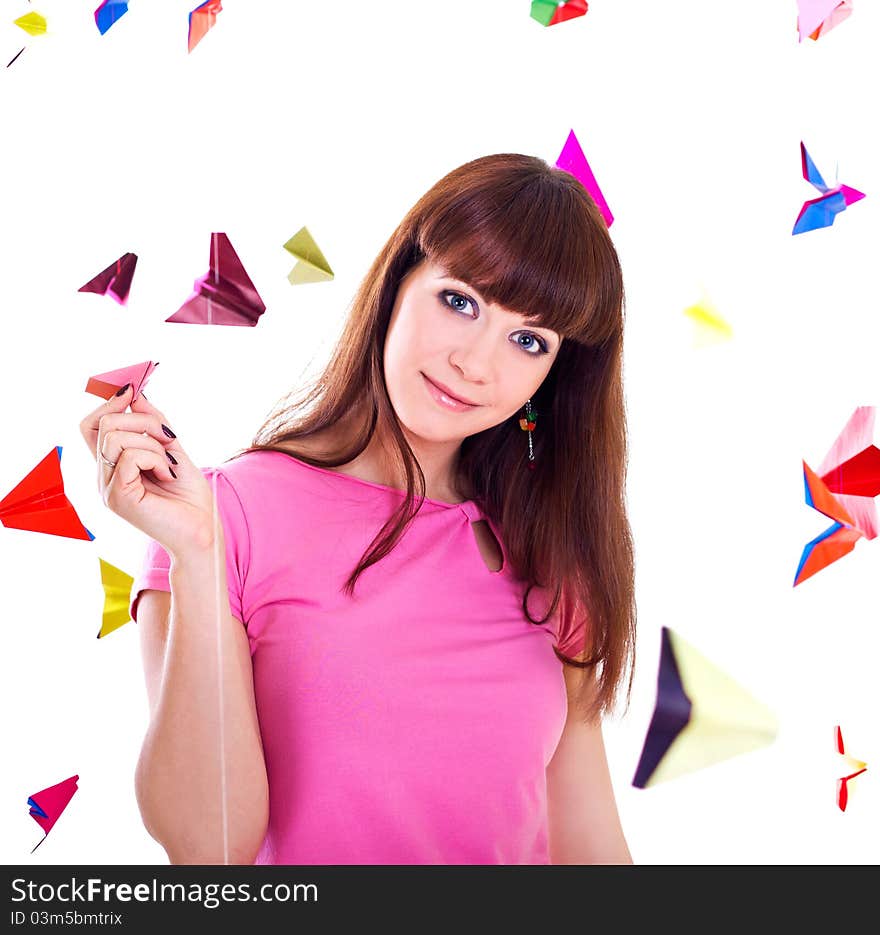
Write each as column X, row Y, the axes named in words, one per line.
column 572, row 628
column 156, row 562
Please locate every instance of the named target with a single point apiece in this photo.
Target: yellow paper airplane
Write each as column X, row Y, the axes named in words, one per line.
column 32, row 23
column 117, row 591
column 702, row 716
column 312, row 266
column 710, row 327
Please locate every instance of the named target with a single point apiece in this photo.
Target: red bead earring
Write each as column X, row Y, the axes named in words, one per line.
column 528, row 425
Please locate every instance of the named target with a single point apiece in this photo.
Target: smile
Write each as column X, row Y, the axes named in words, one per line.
column 443, row 399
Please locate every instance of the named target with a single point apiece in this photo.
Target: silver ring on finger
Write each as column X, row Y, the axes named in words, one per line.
column 106, row 461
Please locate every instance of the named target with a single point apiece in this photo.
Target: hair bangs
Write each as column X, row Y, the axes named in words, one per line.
column 523, row 247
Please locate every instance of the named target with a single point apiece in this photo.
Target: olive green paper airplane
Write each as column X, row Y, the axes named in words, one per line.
column 312, row 265
column 702, row 716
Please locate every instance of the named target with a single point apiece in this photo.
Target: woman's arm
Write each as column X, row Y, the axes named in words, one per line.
column 583, row 821
column 180, row 787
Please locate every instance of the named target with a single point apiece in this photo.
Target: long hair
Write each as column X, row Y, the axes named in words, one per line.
column 528, row 237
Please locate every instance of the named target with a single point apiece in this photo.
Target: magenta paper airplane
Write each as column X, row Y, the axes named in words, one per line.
column 106, row 384
column 114, row 281
column 573, row 160
column 225, row 295
column 820, row 212
column 47, row 805
column 817, row 17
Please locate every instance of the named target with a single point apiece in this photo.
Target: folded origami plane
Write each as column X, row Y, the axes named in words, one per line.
column 817, row 17
column 850, row 765
column 701, row 716
column 38, row 502
column 115, row 280
column 32, row 23
column 201, row 19
column 573, row 160
column 843, row 489
column 710, row 327
column 108, row 13
column 47, row 805
column 820, row 212
column 225, row 295
column 106, row 384
column 117, row 593
column 311, row 265
column 551, row 12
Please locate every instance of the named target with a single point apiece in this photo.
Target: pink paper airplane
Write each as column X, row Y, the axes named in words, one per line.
column 106, row 384
column 225, row 295
column 47, row 805
column 817, row 17
column 573, row 160
column 114, row 281
column 851, row 471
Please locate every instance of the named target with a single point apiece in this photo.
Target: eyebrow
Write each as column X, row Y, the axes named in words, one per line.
column 529, row 319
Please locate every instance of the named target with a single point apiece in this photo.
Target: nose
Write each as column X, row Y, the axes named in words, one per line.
column 475, row 359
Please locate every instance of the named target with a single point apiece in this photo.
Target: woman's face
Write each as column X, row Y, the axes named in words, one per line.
column 442, row 330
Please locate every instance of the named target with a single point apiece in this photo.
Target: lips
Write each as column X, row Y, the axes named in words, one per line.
column 448, row 392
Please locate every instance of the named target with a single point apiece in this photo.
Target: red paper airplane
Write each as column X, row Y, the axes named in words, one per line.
column 38, row 503
column 201, row 19
column 858, row 765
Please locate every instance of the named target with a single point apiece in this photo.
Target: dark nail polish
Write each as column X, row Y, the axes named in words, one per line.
column 171, row 457
column 121, row 392
column 168, row 432
column 173, row 474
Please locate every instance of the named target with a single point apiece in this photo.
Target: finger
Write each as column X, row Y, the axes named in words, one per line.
column 117, row 441
column 90, row 425
column 168, row 436
column 126, row 484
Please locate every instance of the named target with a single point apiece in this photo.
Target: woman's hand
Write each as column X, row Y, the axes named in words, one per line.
column 150, row 481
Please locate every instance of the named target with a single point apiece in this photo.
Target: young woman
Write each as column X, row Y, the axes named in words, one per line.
column 386, row 632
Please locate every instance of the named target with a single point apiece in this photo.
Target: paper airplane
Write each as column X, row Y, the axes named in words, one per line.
column 38, row 503
column 115, row 280
column 817, row 17
column 47, row 805
column 820, row 212
column 844, row 489
column 32, row 23
column 573, row 160
column 108, row 13
column 551, row 12
column 225, row 295
column 311, row 265
column 117, row 593
column 710, row 327
column 701, row 716
column 851, row 767
column 851, row 470
column 106, row 384
column 201, row 19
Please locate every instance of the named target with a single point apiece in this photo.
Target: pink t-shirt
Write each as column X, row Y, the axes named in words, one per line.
column 411, row 724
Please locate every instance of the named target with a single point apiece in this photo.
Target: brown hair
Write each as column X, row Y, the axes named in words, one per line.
column 528, row 237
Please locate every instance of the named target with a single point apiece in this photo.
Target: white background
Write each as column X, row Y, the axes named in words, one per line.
column 338, row 116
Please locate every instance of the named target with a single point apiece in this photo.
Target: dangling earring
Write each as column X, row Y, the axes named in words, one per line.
column 528, row 425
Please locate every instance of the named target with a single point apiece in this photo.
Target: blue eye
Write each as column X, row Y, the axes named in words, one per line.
column 459, row 302
column 456, row 300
